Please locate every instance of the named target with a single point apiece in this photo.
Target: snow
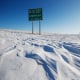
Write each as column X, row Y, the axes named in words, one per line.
column 25, row 56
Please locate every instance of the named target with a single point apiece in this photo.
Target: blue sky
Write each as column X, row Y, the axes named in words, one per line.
column 59, row 16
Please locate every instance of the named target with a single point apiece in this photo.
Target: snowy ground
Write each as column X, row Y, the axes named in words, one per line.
column 25, row 56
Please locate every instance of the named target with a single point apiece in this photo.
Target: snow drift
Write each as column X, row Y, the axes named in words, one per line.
column 25, row 56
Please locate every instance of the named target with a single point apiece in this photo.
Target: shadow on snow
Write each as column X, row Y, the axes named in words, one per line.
column 45, row 65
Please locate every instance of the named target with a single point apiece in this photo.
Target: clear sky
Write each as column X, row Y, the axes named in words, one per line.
column 59, row 16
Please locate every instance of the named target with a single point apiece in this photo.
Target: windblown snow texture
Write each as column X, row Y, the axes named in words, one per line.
column 24, row 56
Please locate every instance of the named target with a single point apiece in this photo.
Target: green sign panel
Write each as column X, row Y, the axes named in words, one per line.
column 35, row 14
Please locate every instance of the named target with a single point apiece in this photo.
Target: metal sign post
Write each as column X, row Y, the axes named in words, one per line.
column 35, row 15
column 39, row 28
column 32, row 28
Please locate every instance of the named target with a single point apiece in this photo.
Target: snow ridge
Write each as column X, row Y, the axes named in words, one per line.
column 25, row 56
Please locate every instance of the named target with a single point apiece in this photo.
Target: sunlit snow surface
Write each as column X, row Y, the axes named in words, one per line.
column 25, row 56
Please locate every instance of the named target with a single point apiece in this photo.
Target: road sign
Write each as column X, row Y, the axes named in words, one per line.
column 35, row 14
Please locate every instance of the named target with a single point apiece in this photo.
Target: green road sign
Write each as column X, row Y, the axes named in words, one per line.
column 35, row 14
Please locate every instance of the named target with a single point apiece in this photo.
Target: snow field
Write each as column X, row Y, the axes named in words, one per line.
column 25, row 56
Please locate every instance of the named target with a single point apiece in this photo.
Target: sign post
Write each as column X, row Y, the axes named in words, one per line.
column 32, row 28
column 39, row 28
column 35, row 15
